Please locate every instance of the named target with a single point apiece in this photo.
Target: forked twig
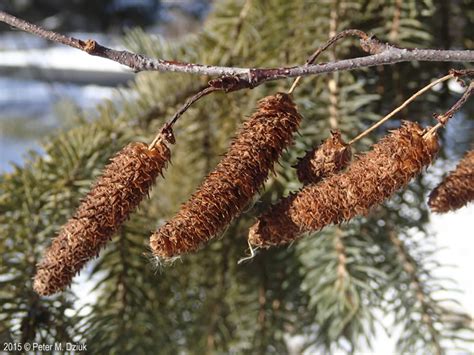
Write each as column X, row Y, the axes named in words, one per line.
column 347, row 33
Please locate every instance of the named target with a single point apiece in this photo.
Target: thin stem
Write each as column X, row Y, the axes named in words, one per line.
column 444, row 118
column 251, row 256
column 167, row 131
column 190, row 101
column 158, row 138
column 347, row 33
column 401, row 107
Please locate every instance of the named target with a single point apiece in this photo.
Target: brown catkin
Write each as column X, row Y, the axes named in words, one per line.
column 368, row 181
column 457, row 189
column 331, row 156
column 125, row 181
column 228, row 189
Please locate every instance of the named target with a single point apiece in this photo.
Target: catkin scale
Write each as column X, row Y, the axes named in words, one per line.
column 125, row 181
column 457, row 189
column 368, row 181
column 331, row 156
column 228, row 189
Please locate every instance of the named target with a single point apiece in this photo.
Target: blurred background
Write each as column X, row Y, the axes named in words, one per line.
column 64, row 113
column 43, row 84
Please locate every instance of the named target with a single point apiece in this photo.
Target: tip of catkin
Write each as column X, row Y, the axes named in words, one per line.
column 457, row 189
column 253, row 236
column 42, row 281
column 431, row 142
column 328, row 158
column 125, row 181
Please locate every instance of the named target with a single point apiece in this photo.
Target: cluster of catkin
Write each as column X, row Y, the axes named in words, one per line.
column 335, row 190
column 368, row 181
column 125, row 181
column 457, row 189
column 237, row 178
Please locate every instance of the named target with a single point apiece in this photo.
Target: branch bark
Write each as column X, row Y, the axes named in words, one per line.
column 381, row 54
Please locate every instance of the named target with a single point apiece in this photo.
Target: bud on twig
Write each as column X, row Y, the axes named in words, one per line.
column 457, row 189
column 368, row 181
column 230, row 187
column 331, row 156
column 123, row 184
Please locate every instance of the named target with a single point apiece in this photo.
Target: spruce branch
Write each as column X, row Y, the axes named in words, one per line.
column 409, row 266
column 340, row 249
column 336, row 268
column 381, row 54
column 333, row 80
column 121, row 283
column 395, row 28
column 240, row 22
column 262, row 304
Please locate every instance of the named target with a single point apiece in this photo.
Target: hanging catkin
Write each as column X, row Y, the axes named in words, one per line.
column 126, row 180
column 331, row 156
column 230, row 187
column 457, row 189
column 368, row 181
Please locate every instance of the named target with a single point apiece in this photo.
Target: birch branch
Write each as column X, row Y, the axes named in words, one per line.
column 236, row 78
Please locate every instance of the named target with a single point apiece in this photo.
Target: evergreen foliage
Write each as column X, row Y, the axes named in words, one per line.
column 330, row 287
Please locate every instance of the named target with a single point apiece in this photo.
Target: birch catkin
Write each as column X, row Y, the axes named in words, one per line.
column 231, row 186
column 124, row 183
column 368, row 181
column 457, row 189
column 331, row 156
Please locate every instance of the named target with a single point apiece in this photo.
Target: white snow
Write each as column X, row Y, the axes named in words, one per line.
column 59, row 58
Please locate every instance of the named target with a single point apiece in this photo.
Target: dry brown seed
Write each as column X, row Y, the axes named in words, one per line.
column 457, row 189
column 126, row 180
column 230, row 187
column 368, row 181
column 331, row 156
